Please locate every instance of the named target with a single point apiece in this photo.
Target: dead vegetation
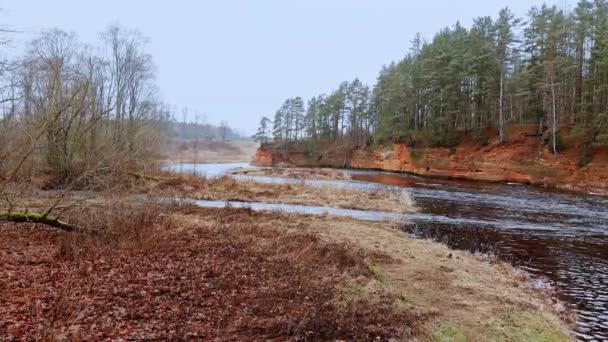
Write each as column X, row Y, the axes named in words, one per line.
column 146, row 270
column 228, row 188
column 471, row 297
column 292, row 172
column 144, row 273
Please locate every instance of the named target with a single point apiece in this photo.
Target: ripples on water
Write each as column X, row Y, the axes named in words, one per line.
column 558, row 236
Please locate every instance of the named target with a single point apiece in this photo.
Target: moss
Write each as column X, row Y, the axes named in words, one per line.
column 512, row 324
column 375, row 268
column 509, row 324
column 449, row 332
column 22, row 217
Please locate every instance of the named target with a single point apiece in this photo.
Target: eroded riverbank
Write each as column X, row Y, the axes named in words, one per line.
column 522, row 160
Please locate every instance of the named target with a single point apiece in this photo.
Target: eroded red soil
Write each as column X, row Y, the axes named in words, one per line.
column 523, row 159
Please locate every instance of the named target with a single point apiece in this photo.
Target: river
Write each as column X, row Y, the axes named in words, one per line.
column 560, row 238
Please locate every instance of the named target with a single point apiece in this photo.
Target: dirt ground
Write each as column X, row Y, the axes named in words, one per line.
column 186, row 273
column 188, row 151
column 165, row 272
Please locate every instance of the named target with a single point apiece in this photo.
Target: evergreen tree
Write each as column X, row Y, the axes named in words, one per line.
column 296, row 108
column 278, row 130
column 551, row 73
column 263, row 132
column 504, row 40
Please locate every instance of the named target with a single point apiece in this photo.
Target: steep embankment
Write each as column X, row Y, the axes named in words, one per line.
column 523, row 160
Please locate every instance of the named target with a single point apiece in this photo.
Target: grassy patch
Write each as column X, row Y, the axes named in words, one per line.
column 449, row 332
column 514, row 324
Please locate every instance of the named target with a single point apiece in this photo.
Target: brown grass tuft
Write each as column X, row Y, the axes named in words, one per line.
column 117, row 229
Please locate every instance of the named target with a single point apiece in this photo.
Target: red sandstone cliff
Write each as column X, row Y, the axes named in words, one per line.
column 522, row 161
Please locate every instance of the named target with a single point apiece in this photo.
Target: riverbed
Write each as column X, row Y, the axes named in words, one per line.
column 560, row 238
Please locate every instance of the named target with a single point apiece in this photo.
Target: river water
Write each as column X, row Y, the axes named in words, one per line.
column 561, row 238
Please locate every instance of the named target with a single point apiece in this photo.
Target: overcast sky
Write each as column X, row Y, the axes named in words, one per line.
column 238, row 60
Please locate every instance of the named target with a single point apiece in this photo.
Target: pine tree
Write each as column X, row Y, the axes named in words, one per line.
column 296, row 108
column 263, row 132
column 504, row 40
column 278, row 130
column 475, row 79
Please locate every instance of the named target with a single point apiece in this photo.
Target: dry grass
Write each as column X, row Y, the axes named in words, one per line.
column 118, row 228
column 292, row 172
column 480, row 298
column 148, row 271
column 145, row 273
column 145, row 270
column 227, row 188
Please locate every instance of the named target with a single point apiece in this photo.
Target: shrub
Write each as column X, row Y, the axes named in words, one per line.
column 585, row 157
column 403, row 138
column 416, row 155
column 448, row 139
column 560, row 144
column 483, row 140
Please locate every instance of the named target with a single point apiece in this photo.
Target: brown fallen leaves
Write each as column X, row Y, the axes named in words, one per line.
column 147, row 273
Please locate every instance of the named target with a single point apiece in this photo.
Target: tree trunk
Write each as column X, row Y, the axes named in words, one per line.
column 501, row 123
column 554, row 128
column 22, row 217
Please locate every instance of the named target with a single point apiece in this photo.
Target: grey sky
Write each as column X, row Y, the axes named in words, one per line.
column 238, row 60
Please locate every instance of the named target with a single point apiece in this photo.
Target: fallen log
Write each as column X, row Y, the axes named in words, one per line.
column 23, row 217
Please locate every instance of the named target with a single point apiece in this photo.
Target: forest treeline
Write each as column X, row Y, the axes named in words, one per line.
column 549, row 68
column 76, row 113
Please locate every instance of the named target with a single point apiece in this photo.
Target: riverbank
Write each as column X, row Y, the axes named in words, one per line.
column 142, row 269
column 522, row 160
column 461, row 303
